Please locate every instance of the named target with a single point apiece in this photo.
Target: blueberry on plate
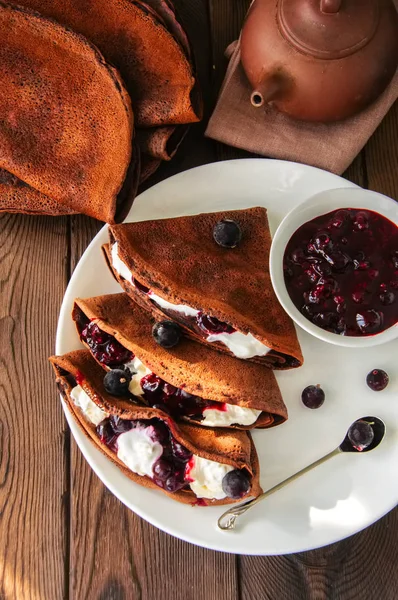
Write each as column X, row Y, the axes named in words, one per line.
column 166, row 333
column 227, row 233
column 116, row 382
column 236, row 484
column 313, row 396
column 377, row 380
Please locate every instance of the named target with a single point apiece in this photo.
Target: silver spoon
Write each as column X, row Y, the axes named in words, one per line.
column 227, row 520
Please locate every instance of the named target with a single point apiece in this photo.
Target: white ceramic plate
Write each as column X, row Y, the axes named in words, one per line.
column 335, row 500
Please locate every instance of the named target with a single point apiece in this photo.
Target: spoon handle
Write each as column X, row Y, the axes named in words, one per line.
column 227, row 520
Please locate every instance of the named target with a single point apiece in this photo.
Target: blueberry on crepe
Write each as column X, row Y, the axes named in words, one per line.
column 188, row 463
column 189, row 381
column 221, row 297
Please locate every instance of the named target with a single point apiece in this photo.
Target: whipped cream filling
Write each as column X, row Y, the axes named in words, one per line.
column 119, row 265
column 212, row 417
column 91, row 411
column 240, row 344
column 207, row 476
column 233, row 415
column 138, row 370
column 138, row 451
column 188, row 311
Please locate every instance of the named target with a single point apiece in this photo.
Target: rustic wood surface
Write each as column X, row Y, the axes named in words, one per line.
column 62, row 534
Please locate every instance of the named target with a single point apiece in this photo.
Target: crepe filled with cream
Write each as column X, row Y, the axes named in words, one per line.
column 188, row 463
column 190, row 381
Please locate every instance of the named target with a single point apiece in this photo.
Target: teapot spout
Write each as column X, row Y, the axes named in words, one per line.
column 267, row 91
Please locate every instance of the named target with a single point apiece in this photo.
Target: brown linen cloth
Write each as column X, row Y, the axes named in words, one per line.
column 268, row 132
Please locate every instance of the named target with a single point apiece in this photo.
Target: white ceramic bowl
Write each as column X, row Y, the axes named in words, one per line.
column 316, row 206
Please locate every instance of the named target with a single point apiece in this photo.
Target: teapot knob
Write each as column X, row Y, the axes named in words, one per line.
column 330, row 6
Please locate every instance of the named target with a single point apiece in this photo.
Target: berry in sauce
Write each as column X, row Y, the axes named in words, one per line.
column 352, row 255
column 227, row 233
column 377, row 380
column 211, row 325
column 313, row 396
column 175, row 401
column 106, row 349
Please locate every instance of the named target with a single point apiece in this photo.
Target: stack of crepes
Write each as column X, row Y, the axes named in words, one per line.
column 188, row 406
column 94, row 95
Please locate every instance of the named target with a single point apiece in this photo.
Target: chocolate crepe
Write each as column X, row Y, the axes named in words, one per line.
column 18, row 197
column 233, row 448
column 178, row 260
column 195, row 368
column 133, row 37
column 66, row 123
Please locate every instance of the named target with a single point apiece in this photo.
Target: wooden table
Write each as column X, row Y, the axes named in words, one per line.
column 62, row 534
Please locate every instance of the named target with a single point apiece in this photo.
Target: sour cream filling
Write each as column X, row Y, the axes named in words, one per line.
column 138, row 451
column 206, row 478
column 240, row 344
column 212, row 417
column 90, row 410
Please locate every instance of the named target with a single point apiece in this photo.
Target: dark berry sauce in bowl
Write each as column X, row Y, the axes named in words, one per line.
column 341, row 272
column 336, row 271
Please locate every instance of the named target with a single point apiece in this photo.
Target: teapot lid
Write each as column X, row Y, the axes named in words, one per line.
column 328, row 29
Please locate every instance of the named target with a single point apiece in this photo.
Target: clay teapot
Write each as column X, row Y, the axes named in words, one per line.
column 319, row 60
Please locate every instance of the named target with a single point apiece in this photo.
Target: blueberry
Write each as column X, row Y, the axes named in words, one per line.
column 387, row 298
column 166, row 333
column 116, row 382
column 174, row 483
column 361, row 221
column 227, row 233
column 377, row 380
column 313, row 396
column 106, row 433
column 162, row 469
column 369, row 321
column 180, row 451
column 361, row 435
column 339, row 219
column 212, row 325
column 236, row 484
column 159, row 432
column 120, row 425
column 322, row 242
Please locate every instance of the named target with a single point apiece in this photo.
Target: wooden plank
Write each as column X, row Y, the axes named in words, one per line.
column 33, row 465
column 382, row 156
column 115, row 554
column 363, row 566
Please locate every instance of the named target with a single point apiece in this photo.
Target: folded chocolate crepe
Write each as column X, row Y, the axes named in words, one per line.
column 161, row 143
column 134, row 37
column 18, row 197
column 190, row 381
column 188, row 463
column 66, row 123
column 223, row 297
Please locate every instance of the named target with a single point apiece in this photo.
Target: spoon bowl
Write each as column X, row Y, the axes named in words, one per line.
column 228, row 519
